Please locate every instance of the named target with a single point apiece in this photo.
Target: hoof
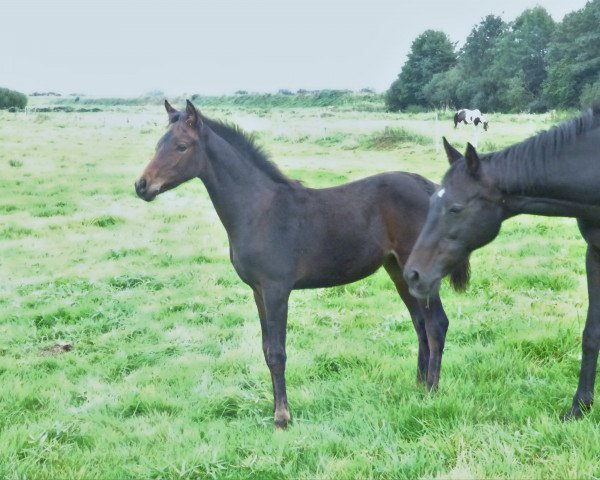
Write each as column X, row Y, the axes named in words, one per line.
column 576, row 412
column 432, row 387
column 571, row 414
column 282, row 419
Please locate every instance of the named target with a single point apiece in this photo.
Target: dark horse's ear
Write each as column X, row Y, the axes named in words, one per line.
column 193, row 118
column 452, row 153
column 169, row 108
column 472, row 159
column 170, row 111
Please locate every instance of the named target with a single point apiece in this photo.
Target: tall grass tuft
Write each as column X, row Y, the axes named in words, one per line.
column 392, row 138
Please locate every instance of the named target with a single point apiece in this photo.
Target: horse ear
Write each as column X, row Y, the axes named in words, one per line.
column 169, row 108
column 173, row 114
column 472, row 159
column 452, row 153
column 193, row 117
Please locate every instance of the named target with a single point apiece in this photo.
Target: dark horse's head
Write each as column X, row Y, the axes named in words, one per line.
column 464, row 214
column 180, row 154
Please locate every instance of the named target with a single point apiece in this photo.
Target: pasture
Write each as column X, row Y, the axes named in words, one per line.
column 130, row 349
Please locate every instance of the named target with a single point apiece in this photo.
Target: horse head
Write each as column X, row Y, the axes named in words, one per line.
column 180, row 154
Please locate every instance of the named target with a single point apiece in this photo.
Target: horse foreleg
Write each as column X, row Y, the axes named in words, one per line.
column 423, row 355
column 436, row 326
column 272, row 306
column 590, row 344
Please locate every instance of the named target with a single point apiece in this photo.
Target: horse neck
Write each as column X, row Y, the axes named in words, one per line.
column 564, row 183
column 236, row 186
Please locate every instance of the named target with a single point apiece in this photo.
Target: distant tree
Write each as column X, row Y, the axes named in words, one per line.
column 471, row 83
column 529, row 39
column 12, row 99
column 481, row 85
column 590, row 94
column 520, row 61
column 431, row 52
column 479, row 49
column 441, row 90
column 574, row 56
column 529, row 64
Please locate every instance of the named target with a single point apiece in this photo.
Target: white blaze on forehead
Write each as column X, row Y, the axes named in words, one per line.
column 441, row 192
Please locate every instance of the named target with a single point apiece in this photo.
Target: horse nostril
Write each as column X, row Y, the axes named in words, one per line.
column 411, row 275
column 140, row 185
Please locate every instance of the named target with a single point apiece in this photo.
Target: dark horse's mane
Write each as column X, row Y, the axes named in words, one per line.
column 542, row 148
column 246, row 144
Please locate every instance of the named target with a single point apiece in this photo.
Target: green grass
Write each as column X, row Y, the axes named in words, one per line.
column 392, row 138
column 130, row 348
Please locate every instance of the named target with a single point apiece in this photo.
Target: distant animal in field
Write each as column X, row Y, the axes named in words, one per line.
column 285, row 236
column 554, row 173
column 470, row 117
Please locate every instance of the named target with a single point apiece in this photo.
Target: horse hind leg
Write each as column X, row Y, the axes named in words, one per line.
column 414, row 309
column 590, row 344
column 436, row 326
column 431, row 324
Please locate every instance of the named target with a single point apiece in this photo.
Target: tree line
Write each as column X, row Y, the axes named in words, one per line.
column 12, row 99
column 530, row 64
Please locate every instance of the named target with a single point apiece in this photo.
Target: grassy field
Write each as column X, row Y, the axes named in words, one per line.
column 130, row 349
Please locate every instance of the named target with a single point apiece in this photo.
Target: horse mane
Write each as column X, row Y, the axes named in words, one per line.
column 528, row 159
column 246, row 144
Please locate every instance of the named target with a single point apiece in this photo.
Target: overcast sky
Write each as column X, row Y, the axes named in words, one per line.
column 107, row 47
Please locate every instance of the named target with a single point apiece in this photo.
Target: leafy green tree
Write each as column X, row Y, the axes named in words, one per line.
column 590, row 94
column 529, row 39
column 441, row 90
column 12, row 99
column 530, row 64
column 514, row 95
column 479, row 50
column 574, row 56
column 481, row 85
column 431, row 52
column 471, row 84
column 520, row 61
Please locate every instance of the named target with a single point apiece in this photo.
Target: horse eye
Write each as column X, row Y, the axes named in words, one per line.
column 181, row 147
column 456, row 208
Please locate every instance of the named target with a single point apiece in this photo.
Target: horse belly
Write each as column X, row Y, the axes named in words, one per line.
column 337, row 263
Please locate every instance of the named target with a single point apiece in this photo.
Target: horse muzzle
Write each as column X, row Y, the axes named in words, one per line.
column 145, row 191
column 418, row 285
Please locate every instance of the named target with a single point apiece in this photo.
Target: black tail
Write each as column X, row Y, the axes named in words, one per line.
column 460, row 276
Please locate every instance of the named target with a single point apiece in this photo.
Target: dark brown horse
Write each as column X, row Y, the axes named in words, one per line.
column 555, row 173
column 284, row 236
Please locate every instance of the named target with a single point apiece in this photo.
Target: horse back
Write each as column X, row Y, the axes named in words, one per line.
column 348, row 231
